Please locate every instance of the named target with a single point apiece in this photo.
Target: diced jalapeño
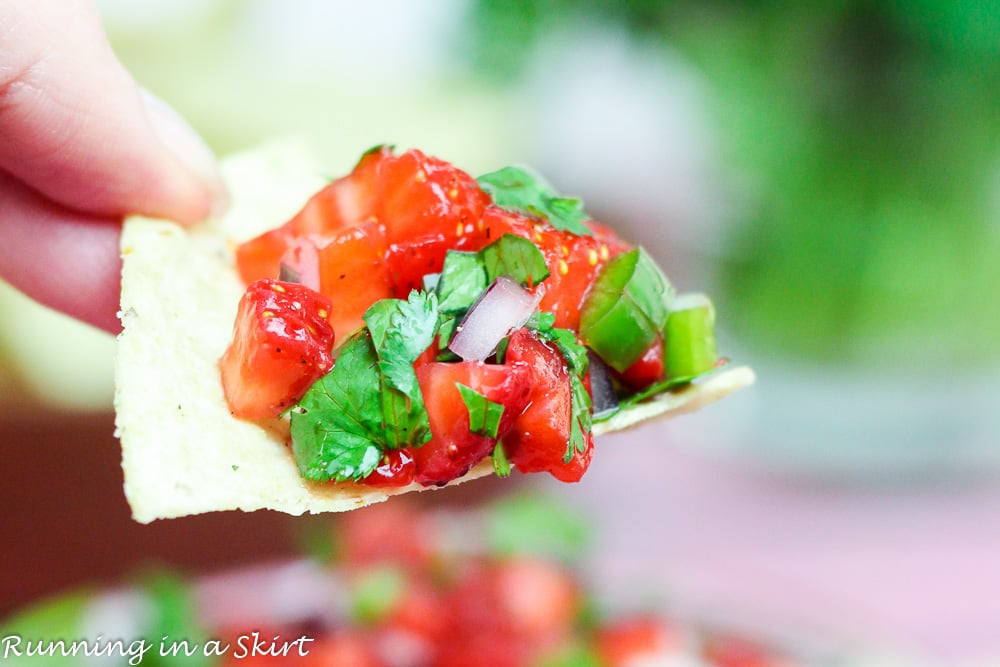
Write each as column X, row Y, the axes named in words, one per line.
column 690, row 336
column 626, row 309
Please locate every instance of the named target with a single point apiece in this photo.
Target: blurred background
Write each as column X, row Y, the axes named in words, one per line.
column 828, row 171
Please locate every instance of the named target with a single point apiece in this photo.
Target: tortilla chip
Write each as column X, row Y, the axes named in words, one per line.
column 182, row 451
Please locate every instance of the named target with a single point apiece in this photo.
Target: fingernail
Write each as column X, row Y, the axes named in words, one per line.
column 189, row 148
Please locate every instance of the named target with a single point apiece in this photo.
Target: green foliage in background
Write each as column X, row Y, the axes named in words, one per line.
column 870, row 140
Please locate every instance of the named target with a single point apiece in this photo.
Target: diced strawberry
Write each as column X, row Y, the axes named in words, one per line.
column 454, row 449
column 539, row 437
column 344, row 203
column 427, row 205
column 610, row 244
column 397, row 468
column 353, row 275
column 574, row 263
column 408, row 263
column 281, row 344
column 494, row 223
column 647, row 370
column 260, row 257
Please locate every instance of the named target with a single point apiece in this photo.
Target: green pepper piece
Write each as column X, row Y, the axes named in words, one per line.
column 690, row 336
column 626, row 309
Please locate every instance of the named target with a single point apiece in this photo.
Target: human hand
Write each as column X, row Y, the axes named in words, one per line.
column 81, row 146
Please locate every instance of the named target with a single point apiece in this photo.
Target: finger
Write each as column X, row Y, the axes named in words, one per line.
column 62, row 258
column 74, row 126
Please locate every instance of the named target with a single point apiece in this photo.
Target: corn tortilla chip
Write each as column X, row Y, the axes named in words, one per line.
column 182, row 451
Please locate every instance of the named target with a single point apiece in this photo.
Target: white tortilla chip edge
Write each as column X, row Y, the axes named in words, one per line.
column 182, row 452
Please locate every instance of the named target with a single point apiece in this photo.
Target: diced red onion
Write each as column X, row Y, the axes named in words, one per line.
column 503, row 307
column 603, row 396
column 287, row 274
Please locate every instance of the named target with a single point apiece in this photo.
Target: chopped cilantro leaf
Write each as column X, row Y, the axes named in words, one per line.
column 466, row 276
column 449, row 324
column 484, row 414
column 516, row 257
column 401, row 331
column 573, row 352
column 521, row 189
column 502, row 349
column 461, row 283
column 541, row 320
column 371, row 400
column 430, row 281
column 577, row 361
column 663, row 386
column 581, row 420
column 375, row 149
column 337, row 425
column 463, row 280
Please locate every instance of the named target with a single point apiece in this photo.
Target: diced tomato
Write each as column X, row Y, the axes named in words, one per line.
column 427, row 205
column 345, row 202
column 281, row 344
column 623, row 642
column 539, row 437
column 454, row 449
column 353, row 275
column 647, row 370
column 397, row 468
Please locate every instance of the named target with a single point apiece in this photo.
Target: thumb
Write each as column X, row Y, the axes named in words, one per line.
column 75, row 127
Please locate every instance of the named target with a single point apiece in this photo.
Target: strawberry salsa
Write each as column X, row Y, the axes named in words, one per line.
column 411, row 321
